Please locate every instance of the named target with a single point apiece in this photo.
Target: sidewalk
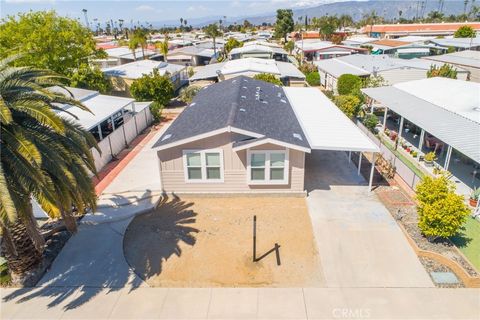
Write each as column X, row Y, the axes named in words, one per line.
column 242, row 303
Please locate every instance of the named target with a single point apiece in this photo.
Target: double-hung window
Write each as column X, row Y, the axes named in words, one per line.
column 203, row 165
column 267, row 167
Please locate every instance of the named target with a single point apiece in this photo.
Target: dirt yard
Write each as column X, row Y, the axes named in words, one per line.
column 204, row 242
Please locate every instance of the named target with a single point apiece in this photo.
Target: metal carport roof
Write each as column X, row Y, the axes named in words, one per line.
column 461, row 132
column 325, row 126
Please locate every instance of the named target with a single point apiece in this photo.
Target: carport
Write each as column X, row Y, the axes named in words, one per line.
column 327, row 128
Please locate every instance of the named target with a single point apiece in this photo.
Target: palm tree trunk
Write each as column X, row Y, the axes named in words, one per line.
column 19, row 250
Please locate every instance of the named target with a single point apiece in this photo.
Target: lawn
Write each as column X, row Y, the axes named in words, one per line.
column 468, row 241
column 205, row 242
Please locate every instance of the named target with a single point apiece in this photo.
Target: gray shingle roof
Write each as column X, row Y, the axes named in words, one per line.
column 242, row 103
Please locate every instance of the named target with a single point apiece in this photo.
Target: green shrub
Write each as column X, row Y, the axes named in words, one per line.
column 446, row 71
column 370, row 121
column 86, row 77
column 268, row 77
column 349, row 84
column 349, row 104
column 153, row 87
column 313, row 78
column 441, row 212
column 188, row 93
column 156, row 110
column 307, row 68
column 465, row 32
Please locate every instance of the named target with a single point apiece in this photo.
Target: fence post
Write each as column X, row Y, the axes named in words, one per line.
column 110, row 144
column 136, row 126
column 124, row 135
column 146, row 120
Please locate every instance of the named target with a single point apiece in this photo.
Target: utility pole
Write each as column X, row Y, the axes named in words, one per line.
column 86, row 18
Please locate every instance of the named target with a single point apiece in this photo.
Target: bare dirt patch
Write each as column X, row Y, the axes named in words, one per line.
column 201, row 242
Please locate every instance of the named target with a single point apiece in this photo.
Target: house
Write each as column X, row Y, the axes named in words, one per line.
column 392, row 31
column 392, row 70
column 401, row 49
column 244, row 136
column 467, row 60
column 458, row 44
column 358, row 41
column 121, row 55
column 437, row 115
column 113, row 121
column 123, row 76
column 314, row 50
column 192, row 56
column 259, row 51
column 285, row 71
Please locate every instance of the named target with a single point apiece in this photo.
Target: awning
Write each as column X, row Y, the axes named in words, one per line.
column 325, row 126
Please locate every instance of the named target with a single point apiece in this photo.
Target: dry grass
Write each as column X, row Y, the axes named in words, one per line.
column 203, row 242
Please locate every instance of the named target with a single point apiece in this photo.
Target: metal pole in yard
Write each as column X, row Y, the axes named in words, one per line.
column 254, row 238
column 385, row 118
column 349, row 156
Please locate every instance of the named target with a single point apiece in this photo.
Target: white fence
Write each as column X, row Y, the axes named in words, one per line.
column 407, row 174
column 121, row 137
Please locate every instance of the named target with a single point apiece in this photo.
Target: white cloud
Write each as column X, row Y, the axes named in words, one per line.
column 199, row 8
column 147, row 8
column 29, row 1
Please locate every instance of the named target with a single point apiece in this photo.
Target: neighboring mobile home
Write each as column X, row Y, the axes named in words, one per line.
column 123, row 76
column 248, row 136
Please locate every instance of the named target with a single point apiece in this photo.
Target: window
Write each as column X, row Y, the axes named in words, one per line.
column 203, row 166
column 267, row 167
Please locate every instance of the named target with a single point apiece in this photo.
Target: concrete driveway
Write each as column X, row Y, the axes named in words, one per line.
column 359, row 242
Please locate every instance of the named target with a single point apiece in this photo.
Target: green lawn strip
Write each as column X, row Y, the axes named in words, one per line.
column 468, row 241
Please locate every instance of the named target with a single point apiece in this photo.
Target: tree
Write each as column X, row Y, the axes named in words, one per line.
column 92, row 78
column 349, row 104
column 313, row 78
column 163, row 47
column 349, row 84
column 465, row 32
column 231, row 44
column 441, row 212
column 188, row 93
column 370, row 121
column 289, row 46
column 268, row 77
column 374, row 82
column 138, row 39
column 445, row 71
column 345, row 20
column 212, row 31
column 47, row 41
column 153, row 87
column 43, row 156
column 133, row 45
column 327, row 26
column 284, row 24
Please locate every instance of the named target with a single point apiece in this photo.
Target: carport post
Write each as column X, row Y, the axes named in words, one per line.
column 371, row 173
column 349, row 156
column 420, row 143
column 359, row 162
column 447, row 157
column 385, row 118
column 401, row 127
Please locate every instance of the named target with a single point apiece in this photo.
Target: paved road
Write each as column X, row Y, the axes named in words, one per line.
column 242, row 303
column 359, row 242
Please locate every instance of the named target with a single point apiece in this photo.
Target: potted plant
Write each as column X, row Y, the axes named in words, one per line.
column 387, row 132
column 414, row 154
column 474, row 197
column 429, row 158
column 407, row 148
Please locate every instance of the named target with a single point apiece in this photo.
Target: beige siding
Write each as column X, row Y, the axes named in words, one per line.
column 235, row 168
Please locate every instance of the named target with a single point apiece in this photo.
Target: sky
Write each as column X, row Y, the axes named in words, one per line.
column 150, row 11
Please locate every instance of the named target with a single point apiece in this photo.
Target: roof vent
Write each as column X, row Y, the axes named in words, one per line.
column 244, row 87
column 243, row 97
column 242, row 110
column 264, row 101
column 476, row 109
column 167, row 136
column 298, row 136
column 282, row 100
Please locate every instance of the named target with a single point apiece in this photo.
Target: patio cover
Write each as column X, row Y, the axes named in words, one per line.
column 325, row 126
column 457, row 127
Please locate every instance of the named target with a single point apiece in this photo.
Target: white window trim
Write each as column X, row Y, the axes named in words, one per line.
column 203, row 166
column 267, row 180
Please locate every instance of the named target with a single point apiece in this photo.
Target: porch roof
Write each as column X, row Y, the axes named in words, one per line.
column 324, row 125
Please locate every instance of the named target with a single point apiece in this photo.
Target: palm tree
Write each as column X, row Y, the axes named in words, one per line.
column 44, row 156
column 163, row 47
column 133, row 45
column 212, row 31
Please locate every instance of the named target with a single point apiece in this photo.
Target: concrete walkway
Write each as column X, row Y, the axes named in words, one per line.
column 94, row 256
column 241, row 303
column 359, row 243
